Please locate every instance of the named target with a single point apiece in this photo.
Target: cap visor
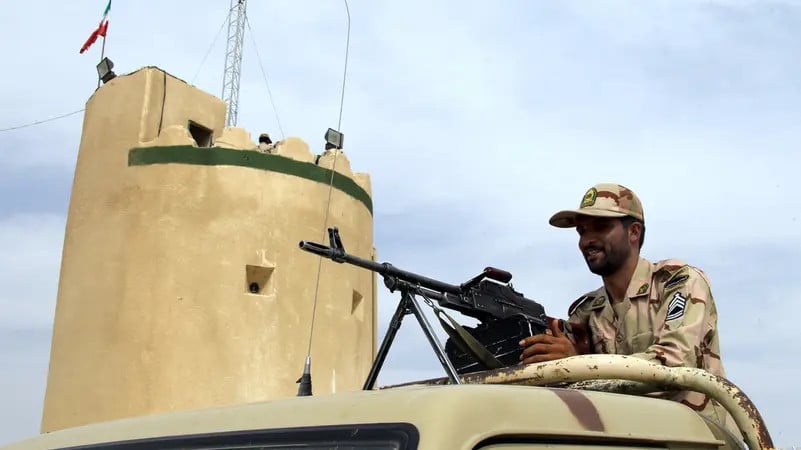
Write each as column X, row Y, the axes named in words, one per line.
column 567, row 218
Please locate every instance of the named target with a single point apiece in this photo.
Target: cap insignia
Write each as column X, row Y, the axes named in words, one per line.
column 589, row 198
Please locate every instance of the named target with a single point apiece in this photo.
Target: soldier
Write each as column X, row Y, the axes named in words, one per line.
column 266, row 144
column 663, row 312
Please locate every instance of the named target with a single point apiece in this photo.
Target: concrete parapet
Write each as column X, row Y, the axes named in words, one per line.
column 326, row 160
column 235, row 137
column 172, row 135
column 294, row 148
column 363, row 180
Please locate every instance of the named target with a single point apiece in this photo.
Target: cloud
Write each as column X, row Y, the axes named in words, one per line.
column 24, row 367
column 45, row 190
column 32, row 149
column 31, row 260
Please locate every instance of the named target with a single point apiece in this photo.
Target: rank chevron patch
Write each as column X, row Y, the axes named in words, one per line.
column 676, row 306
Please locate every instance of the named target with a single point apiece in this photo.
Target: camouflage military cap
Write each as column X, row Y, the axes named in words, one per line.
column 602, row 200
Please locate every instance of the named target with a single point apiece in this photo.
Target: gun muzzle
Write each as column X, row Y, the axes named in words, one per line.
column 313, row 247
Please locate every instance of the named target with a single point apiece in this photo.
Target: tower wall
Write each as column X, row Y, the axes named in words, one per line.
column 182, row 284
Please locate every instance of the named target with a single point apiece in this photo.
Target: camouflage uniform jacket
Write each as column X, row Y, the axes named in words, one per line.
column 668, row 316
column 266, row 148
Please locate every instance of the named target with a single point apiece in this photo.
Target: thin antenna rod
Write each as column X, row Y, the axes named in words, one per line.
column 345, row 74
column 233, row 60
column 305, row 380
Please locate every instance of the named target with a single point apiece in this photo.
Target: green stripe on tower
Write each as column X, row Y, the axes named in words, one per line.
column 185, row 154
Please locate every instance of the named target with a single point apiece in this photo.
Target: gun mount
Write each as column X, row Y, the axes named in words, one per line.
column 505, row 315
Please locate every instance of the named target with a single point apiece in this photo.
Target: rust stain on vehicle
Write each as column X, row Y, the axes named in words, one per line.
column 637, row 378
column 763, row 437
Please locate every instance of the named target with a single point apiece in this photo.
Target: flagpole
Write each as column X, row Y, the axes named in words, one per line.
column 105, row 32
column 102, row 54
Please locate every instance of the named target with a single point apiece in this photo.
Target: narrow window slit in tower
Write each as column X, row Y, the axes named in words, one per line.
column 258, row 280
column 357, row 306
column 200, row 134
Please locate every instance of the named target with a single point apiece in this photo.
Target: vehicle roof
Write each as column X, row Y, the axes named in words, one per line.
column 442, row 414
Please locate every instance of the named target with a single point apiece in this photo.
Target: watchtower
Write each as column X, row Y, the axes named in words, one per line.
column 182, row 284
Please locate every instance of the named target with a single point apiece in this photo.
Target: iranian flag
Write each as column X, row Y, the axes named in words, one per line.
column 99, row 31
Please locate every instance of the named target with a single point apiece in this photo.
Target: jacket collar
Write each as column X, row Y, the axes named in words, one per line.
column 640, row 284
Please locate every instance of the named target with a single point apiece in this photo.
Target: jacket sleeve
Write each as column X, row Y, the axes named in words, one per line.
column 684, row 321
column 577, row 327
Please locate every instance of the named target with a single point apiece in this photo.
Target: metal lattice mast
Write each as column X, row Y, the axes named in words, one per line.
column 233, row 60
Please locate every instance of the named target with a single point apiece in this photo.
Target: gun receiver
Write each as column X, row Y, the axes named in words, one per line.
column 505, row 315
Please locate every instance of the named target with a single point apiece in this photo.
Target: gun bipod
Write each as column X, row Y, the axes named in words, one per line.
column 408, row 304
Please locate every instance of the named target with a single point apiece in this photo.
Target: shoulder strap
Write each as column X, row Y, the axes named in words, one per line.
column 578, row 302
column 467, row 343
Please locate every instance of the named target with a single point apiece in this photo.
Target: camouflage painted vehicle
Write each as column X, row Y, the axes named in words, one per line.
column 582, row 402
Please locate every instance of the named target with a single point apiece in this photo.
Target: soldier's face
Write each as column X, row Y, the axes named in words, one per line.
column 604, row 244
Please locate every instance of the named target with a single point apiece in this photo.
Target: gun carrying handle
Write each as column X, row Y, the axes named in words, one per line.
column 497, row 274
column 579, row 333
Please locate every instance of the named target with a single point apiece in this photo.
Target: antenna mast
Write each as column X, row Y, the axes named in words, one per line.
column 233, row 60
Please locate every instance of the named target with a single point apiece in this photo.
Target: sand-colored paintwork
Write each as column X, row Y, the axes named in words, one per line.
column 467, row 417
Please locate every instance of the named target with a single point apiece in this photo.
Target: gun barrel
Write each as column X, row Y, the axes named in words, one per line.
column 317, row 249
column 385, row 269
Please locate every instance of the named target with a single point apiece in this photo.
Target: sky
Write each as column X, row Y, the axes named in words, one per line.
column 476, row 121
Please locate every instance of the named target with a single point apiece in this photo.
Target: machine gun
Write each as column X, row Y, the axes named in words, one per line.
column 505, row 316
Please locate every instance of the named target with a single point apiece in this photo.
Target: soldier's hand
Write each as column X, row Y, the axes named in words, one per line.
column 547, row 347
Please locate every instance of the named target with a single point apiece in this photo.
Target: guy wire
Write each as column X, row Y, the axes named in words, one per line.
column 211, row 47
column 202, row 62
column 264, row 76
column 331, row 182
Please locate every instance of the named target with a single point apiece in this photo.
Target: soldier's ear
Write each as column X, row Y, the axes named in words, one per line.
column 635, row 230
